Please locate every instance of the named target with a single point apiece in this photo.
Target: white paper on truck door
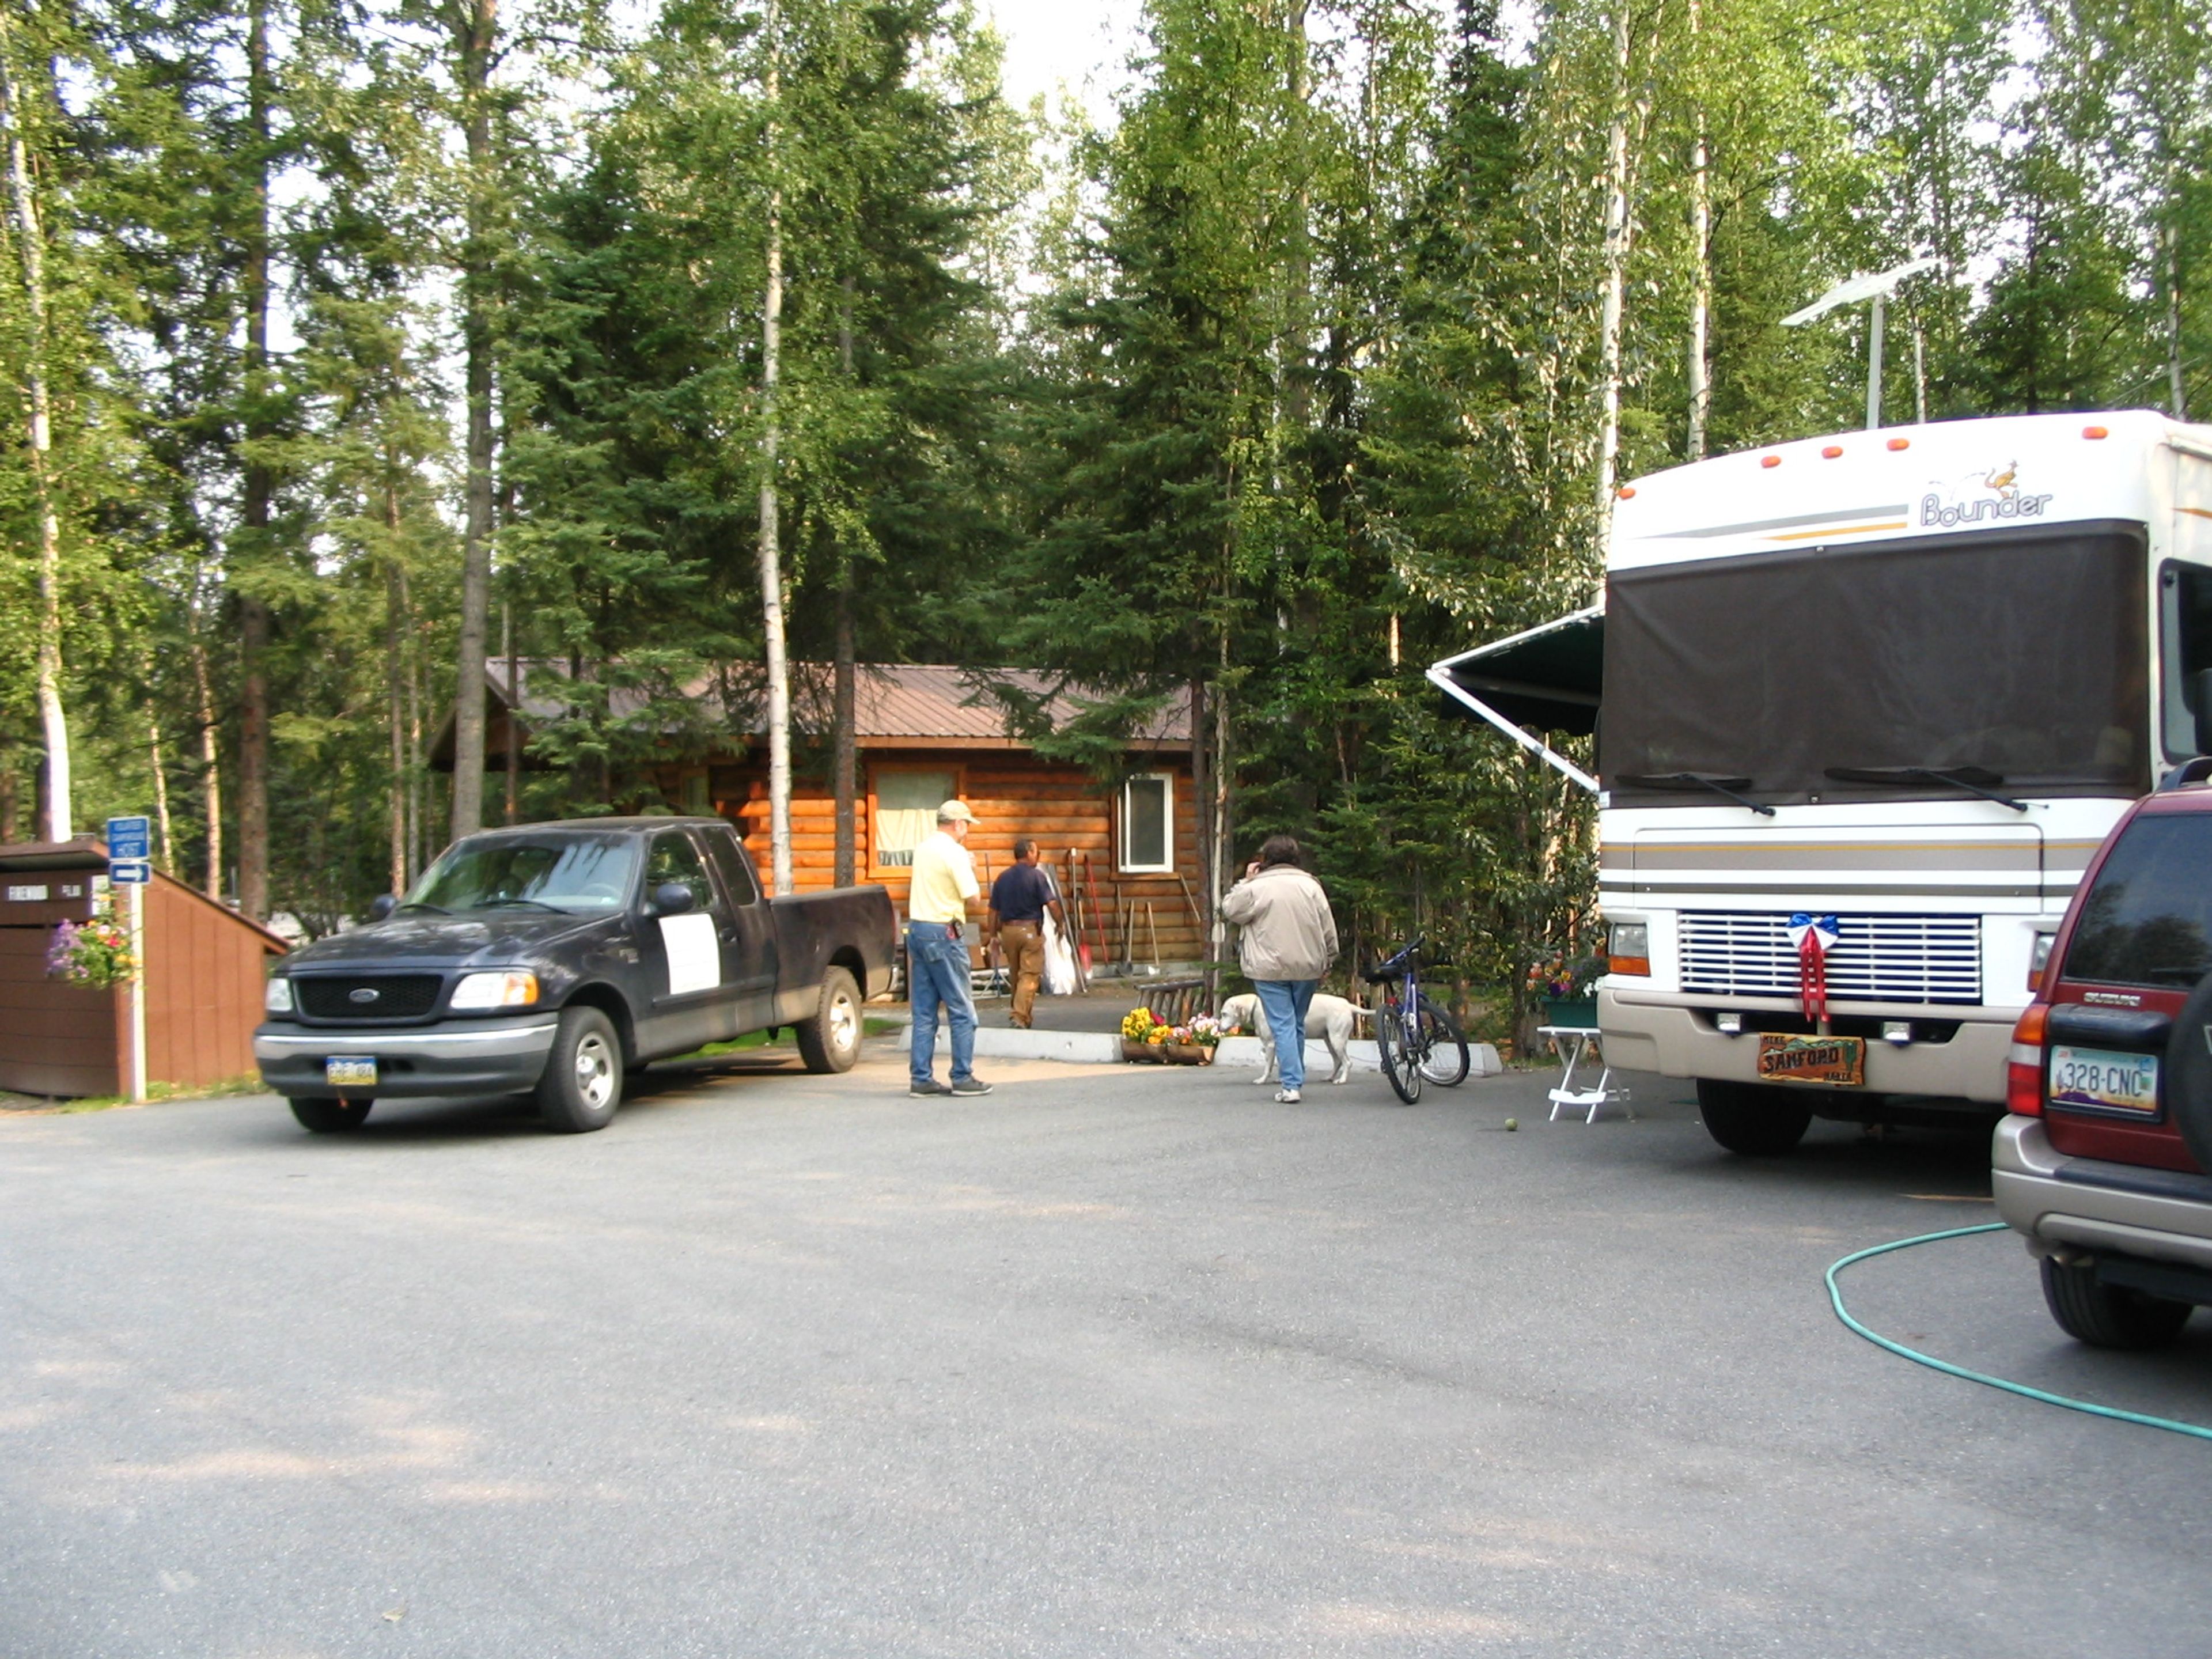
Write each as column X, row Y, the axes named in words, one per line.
column 694, row 956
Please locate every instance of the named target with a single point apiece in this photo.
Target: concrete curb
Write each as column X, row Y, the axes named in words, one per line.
column 1104, row 1048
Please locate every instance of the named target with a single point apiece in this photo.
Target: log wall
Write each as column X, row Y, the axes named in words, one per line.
column 1150, row 916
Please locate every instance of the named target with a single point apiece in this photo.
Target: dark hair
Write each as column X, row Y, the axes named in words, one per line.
column 1279, row 849
column 1022, row 845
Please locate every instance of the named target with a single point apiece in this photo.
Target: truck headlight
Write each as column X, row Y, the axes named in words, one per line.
column 278, row 999
column 1629, row 949
column 515, row 987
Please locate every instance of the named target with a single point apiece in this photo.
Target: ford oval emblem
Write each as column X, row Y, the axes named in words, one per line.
column 363, row 993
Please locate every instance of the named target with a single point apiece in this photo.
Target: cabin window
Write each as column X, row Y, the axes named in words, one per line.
column 1147, row 821
column 906, row 812
column 694, row 796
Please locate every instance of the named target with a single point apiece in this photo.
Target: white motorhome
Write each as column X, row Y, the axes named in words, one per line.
column 1890, row 687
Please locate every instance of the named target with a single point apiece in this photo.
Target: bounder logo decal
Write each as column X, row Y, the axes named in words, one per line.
column 1980, row 498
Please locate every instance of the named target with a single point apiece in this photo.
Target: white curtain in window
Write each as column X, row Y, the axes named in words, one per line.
column 906, row 811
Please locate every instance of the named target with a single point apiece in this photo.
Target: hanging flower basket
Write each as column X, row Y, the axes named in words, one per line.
column 95, row 952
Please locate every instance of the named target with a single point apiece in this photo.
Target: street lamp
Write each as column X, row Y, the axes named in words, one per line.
column 1878, row 289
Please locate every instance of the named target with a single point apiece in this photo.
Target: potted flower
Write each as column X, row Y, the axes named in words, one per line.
column 1194, row 1044
column 95, row 952
column 1142, row 1035
column 1568, row 989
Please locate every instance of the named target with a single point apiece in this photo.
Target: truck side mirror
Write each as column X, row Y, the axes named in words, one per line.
column 2200, row 705
column 381, row 907
column 672, row 898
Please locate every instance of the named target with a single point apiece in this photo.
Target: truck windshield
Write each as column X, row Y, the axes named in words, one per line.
column 2018, row 655
column 569, row 872
column 2148, row 919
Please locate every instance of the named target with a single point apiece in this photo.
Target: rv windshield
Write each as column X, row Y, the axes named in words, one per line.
column 2013, row 656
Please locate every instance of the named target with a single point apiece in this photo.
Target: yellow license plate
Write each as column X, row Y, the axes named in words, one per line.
column 1839, row 1062
column 350, row 1071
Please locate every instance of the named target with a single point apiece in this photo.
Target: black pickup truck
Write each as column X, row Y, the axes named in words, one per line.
column 553, row 958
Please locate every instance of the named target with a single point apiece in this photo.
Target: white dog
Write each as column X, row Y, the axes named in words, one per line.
column 1330, row 1018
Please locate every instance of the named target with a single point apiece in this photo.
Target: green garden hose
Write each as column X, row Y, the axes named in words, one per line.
column 1835, row 1298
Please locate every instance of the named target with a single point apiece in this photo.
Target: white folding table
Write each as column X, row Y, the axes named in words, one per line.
column 1580, row 1046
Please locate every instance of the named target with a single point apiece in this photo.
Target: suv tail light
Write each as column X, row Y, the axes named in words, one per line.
column 2024, row 1064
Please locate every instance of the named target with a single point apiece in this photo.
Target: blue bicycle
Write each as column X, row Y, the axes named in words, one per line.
column 1417, row 1040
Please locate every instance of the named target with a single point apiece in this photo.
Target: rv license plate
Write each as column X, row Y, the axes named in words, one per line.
column 350, row 1071
column 1837, row 1061
column 2107, row 1081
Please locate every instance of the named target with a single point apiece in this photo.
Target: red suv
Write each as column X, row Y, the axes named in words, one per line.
column 2101, row 1163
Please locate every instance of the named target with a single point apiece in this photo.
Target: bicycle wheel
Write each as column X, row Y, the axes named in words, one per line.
column 1444, row 1058
column 1400, row 1063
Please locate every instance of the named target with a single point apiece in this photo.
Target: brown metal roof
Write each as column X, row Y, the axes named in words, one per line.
column 929, row 703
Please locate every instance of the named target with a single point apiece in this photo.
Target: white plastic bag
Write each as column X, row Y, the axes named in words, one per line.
column 1059, row 979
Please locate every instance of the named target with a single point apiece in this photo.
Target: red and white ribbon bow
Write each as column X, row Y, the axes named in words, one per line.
column 1815, row 937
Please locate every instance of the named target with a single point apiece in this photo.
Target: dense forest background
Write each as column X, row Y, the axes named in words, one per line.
column 347, row 342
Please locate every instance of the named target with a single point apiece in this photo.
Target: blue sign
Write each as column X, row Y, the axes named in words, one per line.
column 130, row 872
column 130, row 838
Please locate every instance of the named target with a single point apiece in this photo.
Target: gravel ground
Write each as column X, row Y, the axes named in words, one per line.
column 1113, row 1361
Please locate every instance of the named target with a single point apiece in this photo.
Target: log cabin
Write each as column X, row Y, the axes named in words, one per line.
column 1127, row 851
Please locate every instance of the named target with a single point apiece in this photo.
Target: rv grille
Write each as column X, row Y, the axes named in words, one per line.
column 1878, row 958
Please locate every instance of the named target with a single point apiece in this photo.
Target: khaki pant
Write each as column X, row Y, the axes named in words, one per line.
column 1024, row 942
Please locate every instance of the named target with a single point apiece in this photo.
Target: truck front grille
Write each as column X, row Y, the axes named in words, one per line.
column 396, row 996
column 1876, row 958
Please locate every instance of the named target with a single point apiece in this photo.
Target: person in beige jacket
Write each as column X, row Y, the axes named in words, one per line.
column 1288, row 942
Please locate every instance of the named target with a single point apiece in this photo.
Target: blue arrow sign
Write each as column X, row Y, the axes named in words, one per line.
column 130, row 838
column 130, row 872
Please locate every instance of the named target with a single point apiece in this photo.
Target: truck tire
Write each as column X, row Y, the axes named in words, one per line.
column 831, row 1039
column 1753, row 1120
column 330, row 1117
column 583, row 1080
column 2109, row 1316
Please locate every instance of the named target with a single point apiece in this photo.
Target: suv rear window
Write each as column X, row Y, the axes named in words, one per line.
column 2148, row 919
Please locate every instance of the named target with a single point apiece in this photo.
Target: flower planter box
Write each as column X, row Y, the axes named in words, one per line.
column 1187, row 1054
column 1141, row 1053
column 1571, row 1010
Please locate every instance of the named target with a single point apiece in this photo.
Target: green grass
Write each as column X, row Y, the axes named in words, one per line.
column 157, row 1094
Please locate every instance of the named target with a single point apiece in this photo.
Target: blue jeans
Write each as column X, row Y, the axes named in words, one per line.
column 939, row 971
column 1284, row 1001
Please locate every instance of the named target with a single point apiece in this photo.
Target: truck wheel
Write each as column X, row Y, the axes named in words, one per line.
column 2109, row 1316
column 330, row 1117
column 1755, row 1120
column 830, row 1041
column 583, row 1080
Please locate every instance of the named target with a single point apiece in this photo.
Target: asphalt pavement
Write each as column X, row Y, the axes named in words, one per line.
column 1113, row 1361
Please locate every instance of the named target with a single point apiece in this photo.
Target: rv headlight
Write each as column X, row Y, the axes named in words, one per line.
column 1629, row 949
column 512, row 988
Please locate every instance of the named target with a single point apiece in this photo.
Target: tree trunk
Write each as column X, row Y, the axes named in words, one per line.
column 1617, row 232
column 2177, row 393
column 210, row 771
column 395, row 685
column 844, row 758
column 252, row 549
column 8, row 806
column 1701, row 266
column 771, row 571
column 1201, row 789
column 56, row 816
column 513, row 716
column 160, row 788
column 475, row 24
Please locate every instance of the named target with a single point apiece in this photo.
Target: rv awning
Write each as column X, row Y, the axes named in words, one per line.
column 1547, row 678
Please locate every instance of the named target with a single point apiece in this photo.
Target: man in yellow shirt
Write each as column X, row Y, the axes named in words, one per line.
column 937, row 956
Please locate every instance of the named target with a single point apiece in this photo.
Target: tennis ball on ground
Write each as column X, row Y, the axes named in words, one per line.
column 1512, row 1122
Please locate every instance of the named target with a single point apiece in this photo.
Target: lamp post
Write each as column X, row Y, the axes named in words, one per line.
column 1877, row 287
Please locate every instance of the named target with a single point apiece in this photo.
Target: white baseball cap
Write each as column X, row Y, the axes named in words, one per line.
column 955, row 812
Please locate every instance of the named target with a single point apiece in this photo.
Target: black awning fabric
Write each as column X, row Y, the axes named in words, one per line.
column 1547, row 679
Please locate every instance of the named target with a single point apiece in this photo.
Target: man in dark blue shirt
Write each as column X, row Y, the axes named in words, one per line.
column 1020, row 899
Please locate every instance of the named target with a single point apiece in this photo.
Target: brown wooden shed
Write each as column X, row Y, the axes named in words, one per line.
column 204, row 969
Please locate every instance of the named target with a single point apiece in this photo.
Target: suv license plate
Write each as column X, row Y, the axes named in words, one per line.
column 350, row 1071
column 2104, row 1080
